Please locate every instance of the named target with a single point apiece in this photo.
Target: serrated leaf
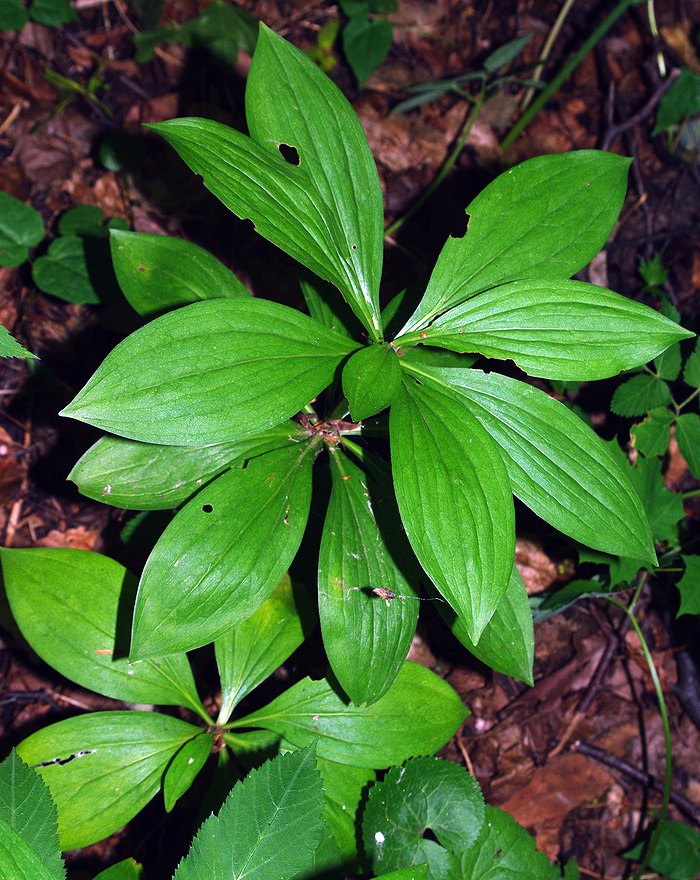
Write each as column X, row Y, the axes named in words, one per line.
column 224, row 553
column 691, row 371
column 557, row 466
column 184, row 767
column 638, row 395
column 21, row 227
column 150, row 476
column 363, row 547
column 504, row 849
column 676, row 855
column 253, row 650
column 366, row 43
column 426, row 793
column 668, row 364
column 652, row 436
column 211, row 372
column 371, row 380
column 29, row 818
column 83, row 632
column 345, row 788
column 64, row 272
column 268, row 827
column 689, row 586
column 545, row 218
column 385, row 733
column 455, row 500
column 688, row 437
column 157, row 273
column 127, row 869
column 9, row 347
column 508, row 642
column 102, row 768
column 18, row 859
column 555, row 329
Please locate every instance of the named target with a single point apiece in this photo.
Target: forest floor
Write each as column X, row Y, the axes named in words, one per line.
column 578, row 758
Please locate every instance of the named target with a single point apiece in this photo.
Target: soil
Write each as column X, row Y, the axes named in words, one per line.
column 578, row 758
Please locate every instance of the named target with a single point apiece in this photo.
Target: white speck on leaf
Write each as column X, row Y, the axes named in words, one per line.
column 107, row 490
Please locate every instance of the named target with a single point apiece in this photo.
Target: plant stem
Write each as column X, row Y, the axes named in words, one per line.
column 689, row 399
column 546, row 49
column 447, row 166
column 693, row 493
column 648, row 850
column 566, row 71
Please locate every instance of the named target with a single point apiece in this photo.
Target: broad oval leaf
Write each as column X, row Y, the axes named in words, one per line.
column 21, row 228
column 251, row 651
column 545, row 218
column 426, row 793
column 371, row 380
column 566, row 330
column 184, row 767
column 417, row 716
column 455, row 499
column 157, row 272
column 211, row 372
column 102, row 768
column 269, row 826
column 344, row 787
column 224, row 553
column 74, row 609
column 64, row 272
column 290, row 101
column 557, row 465
column 508, row 642
column 363, row 547
column 27, row 821
column 150, row 476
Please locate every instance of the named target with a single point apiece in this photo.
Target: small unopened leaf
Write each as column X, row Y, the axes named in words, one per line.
column 455, row 499
column 688, row 437
column 425, row 794
column 223, row 554
column 184, row 767
column 371, row 380
column 638, row 395
column 418, row 715
column 689, row 586
column 102, row 768
column 211, row 372
column 269, row 826
column 74, row 609
column 157, row 272
column 21, row 227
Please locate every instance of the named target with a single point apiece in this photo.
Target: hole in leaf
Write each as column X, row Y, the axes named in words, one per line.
column 141, row 269
column 428, row 834
column 289, row 154
column 207, row 508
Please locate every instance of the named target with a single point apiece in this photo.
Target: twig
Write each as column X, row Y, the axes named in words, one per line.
column 688, row 808
column 646, row 110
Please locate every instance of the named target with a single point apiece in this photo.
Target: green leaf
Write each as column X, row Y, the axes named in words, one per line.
column 102, row 768
column 555, row 329
column 425, row 794
column 652, row 436
column 83, row 632
column 551, row 603
column 545, row 218
column 345, row 787
column 679, row 102
column 148, row 476
column 82, row 220
column 508, row 642
column 371, row 380
column 363, row 547
column 668, row 364
column 157, row 273
column 13, row 16
column 417, row 872
column 211, row 372
column 689, row 586
column 504, row 849
column 691, row 371
column 127, row 869
column 688, row 437
column 640, row 394
column 21, row 227
column 327, row 306
column 9, row 347
column 385, row 733
column 677, row 852
column 268, row 827
column 506, row 53
column 52, row 12
column 28, row 818
column 557, row 466
column 290, row 101
column 64, row 272
column 224, row 553
column 252, row 651
column 184, row 767
column 366, row 43
column 455, row 500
